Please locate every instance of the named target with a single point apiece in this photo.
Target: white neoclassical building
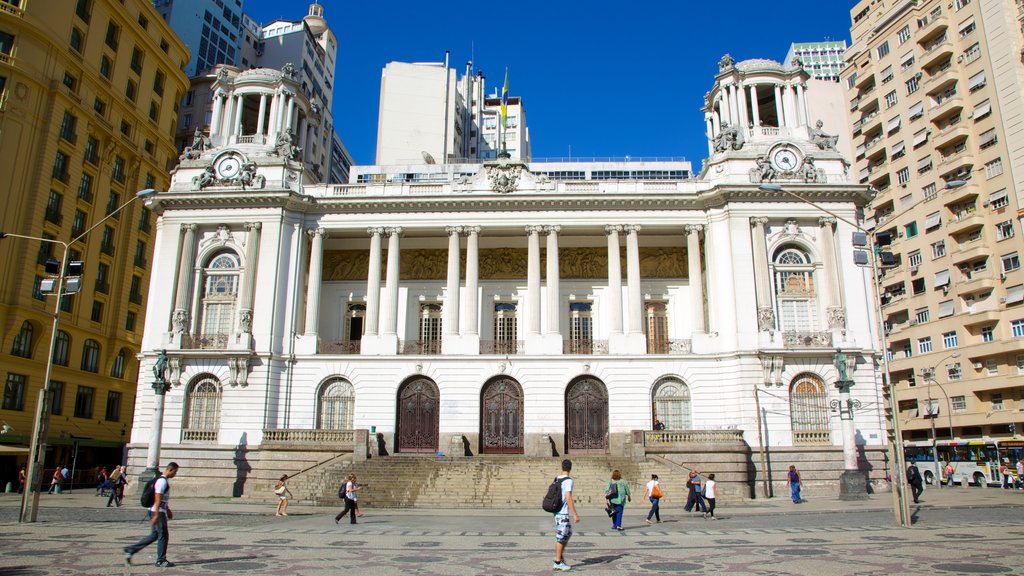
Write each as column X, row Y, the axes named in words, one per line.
column 535, row 309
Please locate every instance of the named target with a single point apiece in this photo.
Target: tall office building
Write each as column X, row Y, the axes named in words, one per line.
column 212, row 30
column 310, row 47
column 88, row 103
column 822, row 60
column 426, row 112
column 935, row 97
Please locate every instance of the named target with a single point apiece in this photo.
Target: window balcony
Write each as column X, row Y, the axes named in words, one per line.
column 970, row 251
column 669, row 346
column 965, row 223
column 807, row 339
column 102, row 287
column 140, row 262
column 107, row 248
column 419, row 347
column 204, row 342
column 198, row 435
column 584, row 347
column 952, row 133
column 502, row 346
column 816, row 437
column 53, row 216
column 13, row 10
column 340, row 347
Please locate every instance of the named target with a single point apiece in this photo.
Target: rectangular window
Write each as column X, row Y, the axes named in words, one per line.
column 581, row 328
column 113, row 34
column 107, row 242
column 430, row 327
column 56, row 397
column 1010, row 262
column 158, row 83
column 117, row 174
column 910, row 230
column 891, row 99
column 883, row 50
column 997, row 402
column 939, row 249
column 967, row 27
column 83, row 9
column 914, row 258
column 887, row 74
column 83, row 401
column 903, row 175
column 106, row 67
column 85, row 188
column 930, row 192
column 988, row 334
column 78, row 225
column 113, row 407
column 131, row 90
column 913, row 84
column 904, row 34
column 61, row 164
column 53, row 207
column 129, row 322
column 922, row 315
column 988, row 138
column 908, row 350
column 958, row 403
column 97, row 311
column 14, row 392
column 1017, row 328
column 991, row 367
column 1004, row 230
column 136, row 62
column 949, row 339
column 924, row 345
column 994, row 168
column 656, row 327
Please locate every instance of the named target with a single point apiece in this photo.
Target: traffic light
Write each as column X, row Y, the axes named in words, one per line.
column 52, row 266
column 883, row 238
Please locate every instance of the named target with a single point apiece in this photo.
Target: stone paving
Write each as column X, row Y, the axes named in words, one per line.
column 957, row 531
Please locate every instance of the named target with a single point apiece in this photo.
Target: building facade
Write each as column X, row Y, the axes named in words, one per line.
column 935, row 94
column 212, row 30
column 507, row 307
column 88, row 103
column 822, row 60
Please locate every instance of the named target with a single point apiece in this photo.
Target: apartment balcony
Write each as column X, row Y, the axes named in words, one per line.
column 999, row 382
column 932, row 26
column 955, row 158
column 945, row 106
column 937, row 51
column 970, row 251
column 995, row 348
column 502, row 347
column 981, row 281
column 965, row 223
column 12, row 10
column 944, row 73
column 951, row 134
column 107, row 249
column 978, row 318
column 199, row 436
column 584, row 347
column 135, row 298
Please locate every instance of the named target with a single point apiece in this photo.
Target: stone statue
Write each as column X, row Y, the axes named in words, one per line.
column 810, row 172
column 205, row 179
column 160, row 367
column 285, row 146
column 822, row 139
column 764, row 170
column 247, row 176
column 288, row 70
column 200, row 143
column 725, row 63
column 729, row 137
column 840, row 363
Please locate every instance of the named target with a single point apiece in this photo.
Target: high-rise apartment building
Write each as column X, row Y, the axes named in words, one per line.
column 427, row 113
column 212, row 30
column 822, row 60
column 310, row 47
column 88, row 104
column 935, row 96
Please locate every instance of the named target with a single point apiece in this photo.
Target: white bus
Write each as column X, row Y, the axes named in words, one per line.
column 974, row 461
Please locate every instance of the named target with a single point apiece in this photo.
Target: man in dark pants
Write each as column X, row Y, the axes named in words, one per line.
column 159, row 514
column 693, row 498
column 348, row 494
column 915, row 481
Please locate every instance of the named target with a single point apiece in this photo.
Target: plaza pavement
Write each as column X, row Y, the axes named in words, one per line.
column 957, row 531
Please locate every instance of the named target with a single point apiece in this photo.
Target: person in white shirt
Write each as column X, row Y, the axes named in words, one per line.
column 159, row 514
column 654, row 494
column 710, row 493
column 563, row 527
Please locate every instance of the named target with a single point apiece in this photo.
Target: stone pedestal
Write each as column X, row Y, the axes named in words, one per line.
column 853, row 485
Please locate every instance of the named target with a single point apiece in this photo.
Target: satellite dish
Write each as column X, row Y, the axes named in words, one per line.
column 427, row 157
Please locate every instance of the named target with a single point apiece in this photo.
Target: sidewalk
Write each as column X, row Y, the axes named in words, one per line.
column 944, row 498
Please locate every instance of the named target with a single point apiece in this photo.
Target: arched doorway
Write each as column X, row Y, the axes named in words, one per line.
column 419, row 403
column 501, row 417
column 586, row 416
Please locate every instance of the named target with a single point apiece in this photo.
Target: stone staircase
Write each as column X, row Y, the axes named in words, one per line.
column 410, row 481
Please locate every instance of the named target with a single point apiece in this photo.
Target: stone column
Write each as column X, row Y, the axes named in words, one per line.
column 710, row 133
column 373, row 283
column 303, row 136
column 753, row 106
column 723, row 106
column 853, row 482
column 716, row 123
column 451, row 302
column 290, row 113
column 390, row 316
column 790, row 103
column 741, row 98
column 762, row 277
column 316, row 259
column 833, row 292
column 160, row 389
column 470, row 317
column 614, row 282
column 247, row 288
column 554, row 288
column 696, row 274
column 218, row 112
column 635, row 304
column 533, row 280
column 180, row 321
column 260, row 122
column 229, row 115
column 271, row 130
column 800, row 110
column 236, row 124
column 779, row 108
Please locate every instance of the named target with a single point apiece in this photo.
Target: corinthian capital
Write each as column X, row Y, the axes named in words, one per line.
column 456, row 230
column 393, row 231
column 552, row 229
column 313, row 232
column 826, row 221
column 694, row 228
column 532, row 229
column 613, row 228
column 375, row 231
column 759, row 221
column 631, row 228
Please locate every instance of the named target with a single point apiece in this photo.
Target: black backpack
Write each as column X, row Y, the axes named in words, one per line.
column 553, row 499
column 148, row 497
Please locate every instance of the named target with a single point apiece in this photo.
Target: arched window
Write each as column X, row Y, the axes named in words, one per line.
column 220, row 295
column 808, row 410
column 91, row 356
column 794, row 290
column 120, row 361
column 336, row 410
column 22, row 345
column 61, row 348
column 672, row 404
column 202, row 409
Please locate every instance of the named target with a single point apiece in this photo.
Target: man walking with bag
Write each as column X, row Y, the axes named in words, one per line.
column 159, row 514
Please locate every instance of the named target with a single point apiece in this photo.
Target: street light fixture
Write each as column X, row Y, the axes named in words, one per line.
column 930, row 379
column 40, row 427
column 901, row 503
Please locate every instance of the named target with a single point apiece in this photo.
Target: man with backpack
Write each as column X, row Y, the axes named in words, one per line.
column 157, row 494
column 558, row 501
column 915, row 481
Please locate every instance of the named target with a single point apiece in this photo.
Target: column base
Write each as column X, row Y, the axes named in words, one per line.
column 147, row 475
column 306, row 344
column 534, row 345
column 853, row 485
column 379, row 345
column 634, row 343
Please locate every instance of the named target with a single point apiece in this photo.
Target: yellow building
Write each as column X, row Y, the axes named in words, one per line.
column 88, row 108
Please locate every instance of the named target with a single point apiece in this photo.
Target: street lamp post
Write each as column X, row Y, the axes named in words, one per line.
column 41, row 425
column 900, row 501
column 930, row 379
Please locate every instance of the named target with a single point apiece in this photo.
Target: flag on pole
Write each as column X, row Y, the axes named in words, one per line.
column 504, row 102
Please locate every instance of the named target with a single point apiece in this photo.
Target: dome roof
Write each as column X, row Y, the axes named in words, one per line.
column 760, row 65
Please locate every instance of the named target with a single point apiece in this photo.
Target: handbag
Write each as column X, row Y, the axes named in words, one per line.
column 280, row 490
column 613, row 491
column 609, row 510
column 656, row 491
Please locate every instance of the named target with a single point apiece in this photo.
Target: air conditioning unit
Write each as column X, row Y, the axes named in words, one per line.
column 986, row 203
column 1002, row 300
column 913, row 269
column 977, row 365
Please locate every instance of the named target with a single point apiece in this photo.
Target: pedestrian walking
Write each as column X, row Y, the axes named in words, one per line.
column 563, row 524
column 654, row 494
column 119, row 479
column 102, row 481
column 283, row 494
column 693, row 497
column 915, row 481
column 795, row 483
column 348, row 494
column 711, row 493
column 21, row 480
column 159, row 514
column 617, row 495
column 55, row 482
column 948, row 471
column 1006, row 474
column 1020, row 474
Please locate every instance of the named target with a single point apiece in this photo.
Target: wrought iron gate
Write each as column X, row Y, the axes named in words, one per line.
column 418, row 418
column 501, row 417
column 586, row 416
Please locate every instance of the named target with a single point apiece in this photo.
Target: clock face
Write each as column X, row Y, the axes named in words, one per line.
column 228, row 168
column 785, row 160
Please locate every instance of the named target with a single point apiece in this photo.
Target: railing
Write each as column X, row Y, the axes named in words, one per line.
column 807, row 339
column 346, row 438
column 584, row 347
column 667, row 438
column 204, row 341
column 198, row 435
column 340, row 347
column 251, row 139
column 668, row 346
column 812, row 437
column 13, row 10
column 420, row 347
column 501, row 346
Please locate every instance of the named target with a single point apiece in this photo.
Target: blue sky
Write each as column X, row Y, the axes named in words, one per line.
column 604, row 78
